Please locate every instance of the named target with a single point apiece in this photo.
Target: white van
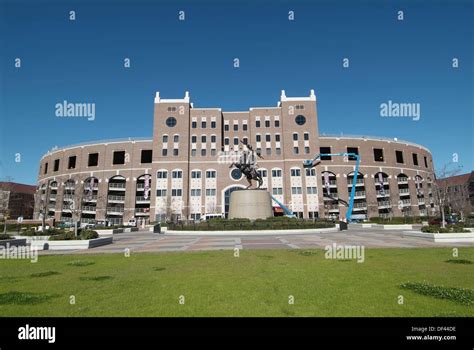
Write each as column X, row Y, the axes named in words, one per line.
column 210, row 216
column 132, row 222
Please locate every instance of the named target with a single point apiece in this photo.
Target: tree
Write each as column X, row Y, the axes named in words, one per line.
column 6, row 189
column 441, row 189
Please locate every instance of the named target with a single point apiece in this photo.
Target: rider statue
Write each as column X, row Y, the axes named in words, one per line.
column 248, row 165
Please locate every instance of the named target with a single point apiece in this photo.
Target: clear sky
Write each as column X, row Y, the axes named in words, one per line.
column 406, row 61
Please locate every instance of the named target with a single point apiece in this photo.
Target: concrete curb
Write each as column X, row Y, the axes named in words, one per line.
column 251, row 233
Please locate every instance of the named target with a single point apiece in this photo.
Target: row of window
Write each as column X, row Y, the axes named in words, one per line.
column 378, row 155
column 177, row 192
column 119, row 157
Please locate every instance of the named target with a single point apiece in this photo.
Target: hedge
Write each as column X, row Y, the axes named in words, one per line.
column 245, row 224
column 398, row 220
column 448, row 229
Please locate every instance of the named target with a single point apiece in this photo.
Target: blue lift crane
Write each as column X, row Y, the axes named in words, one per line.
column 311, row 163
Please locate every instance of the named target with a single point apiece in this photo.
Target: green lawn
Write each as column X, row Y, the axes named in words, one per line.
column 258, row 283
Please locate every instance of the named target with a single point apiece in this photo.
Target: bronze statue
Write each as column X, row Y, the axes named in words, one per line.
column 248, row 165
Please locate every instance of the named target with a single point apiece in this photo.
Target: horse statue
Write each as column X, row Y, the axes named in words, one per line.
column 247, row 166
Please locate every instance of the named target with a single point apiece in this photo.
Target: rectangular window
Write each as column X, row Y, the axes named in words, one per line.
column 165, row 138
column 176, row 138
column 426, row 162
column 119, row 157
column 245, row 141
column 210, row 192
column 236, row 141
column 176, row 192
column 193, row 153
column 278, row 151
column 295, row 172
column 147, row 156
column 277, row 190
column 244, row 127
column 203, row 152
column 277, row 123
column 164, row 152
column 354, row 150
column 257, row 123
column 203, row 138
column 399, row 156
column 195, row 192
column 415, row 159
column 93, row 159
column 236, row 127
column 213, row 152
column 267, row 123
column 378, row 154
column 311, row 190
column 295, row 137
column 226, row 141
column 276, row 173
column 46, row 168
column 269, row 151
column 325, row 150
column 72, row 162
column 306, row 150
column 258, row 138
column 210, row 174
column 203, row 125
column 175, row 152
column 213, row 125
column 311, row 172
column 268, row 137
column 161, row 193
column 226, row 127
column 194, row 125
column 195, row 174
column 277, row 137
column 193, row 139
column 177, row 174
column 213, row 138
column 296, row 190
column 56, row 165
column 306, row 136
column 162, row 175
column 296, row 150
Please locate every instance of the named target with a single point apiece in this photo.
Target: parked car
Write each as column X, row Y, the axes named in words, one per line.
column 437, row 221
column 87, row 225
column 132, row 222
column 210, row 216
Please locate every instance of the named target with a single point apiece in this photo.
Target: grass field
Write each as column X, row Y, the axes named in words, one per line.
column 258, row 283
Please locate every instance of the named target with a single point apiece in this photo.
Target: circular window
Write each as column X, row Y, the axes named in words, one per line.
column 300, row 119
column 171, row 122
column 236, row 174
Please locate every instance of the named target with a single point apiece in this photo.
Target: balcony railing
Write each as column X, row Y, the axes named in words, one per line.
column 359, row 194
column 142, row 199
column 116, row 198
column 402, row 179
column 406, row 202
column 88, row 208
column 117, row 185
column 115, row 221
column 360, row 205
column 404, row 191
column 115, row 209
column 358, row 181
column 383, row 204
column 92, row 198
column 383, row 193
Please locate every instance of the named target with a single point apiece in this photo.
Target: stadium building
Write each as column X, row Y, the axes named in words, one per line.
column 180, row 172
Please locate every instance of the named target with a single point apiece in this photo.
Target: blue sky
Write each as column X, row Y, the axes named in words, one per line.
column 82, row 61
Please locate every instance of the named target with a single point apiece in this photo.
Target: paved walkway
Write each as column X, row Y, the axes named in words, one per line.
column 356, row 235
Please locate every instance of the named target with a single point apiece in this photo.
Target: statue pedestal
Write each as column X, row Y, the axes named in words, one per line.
column 250, row 204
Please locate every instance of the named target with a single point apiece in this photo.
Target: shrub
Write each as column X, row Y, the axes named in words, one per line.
column 460, row 295
column 67, row 236
column 89, row 234
column 448, row 229
column 4, row 237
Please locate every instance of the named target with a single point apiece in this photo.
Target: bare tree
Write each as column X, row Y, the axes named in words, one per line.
column 441, row 187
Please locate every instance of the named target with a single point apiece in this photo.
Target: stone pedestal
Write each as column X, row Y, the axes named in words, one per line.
column 250, row 204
